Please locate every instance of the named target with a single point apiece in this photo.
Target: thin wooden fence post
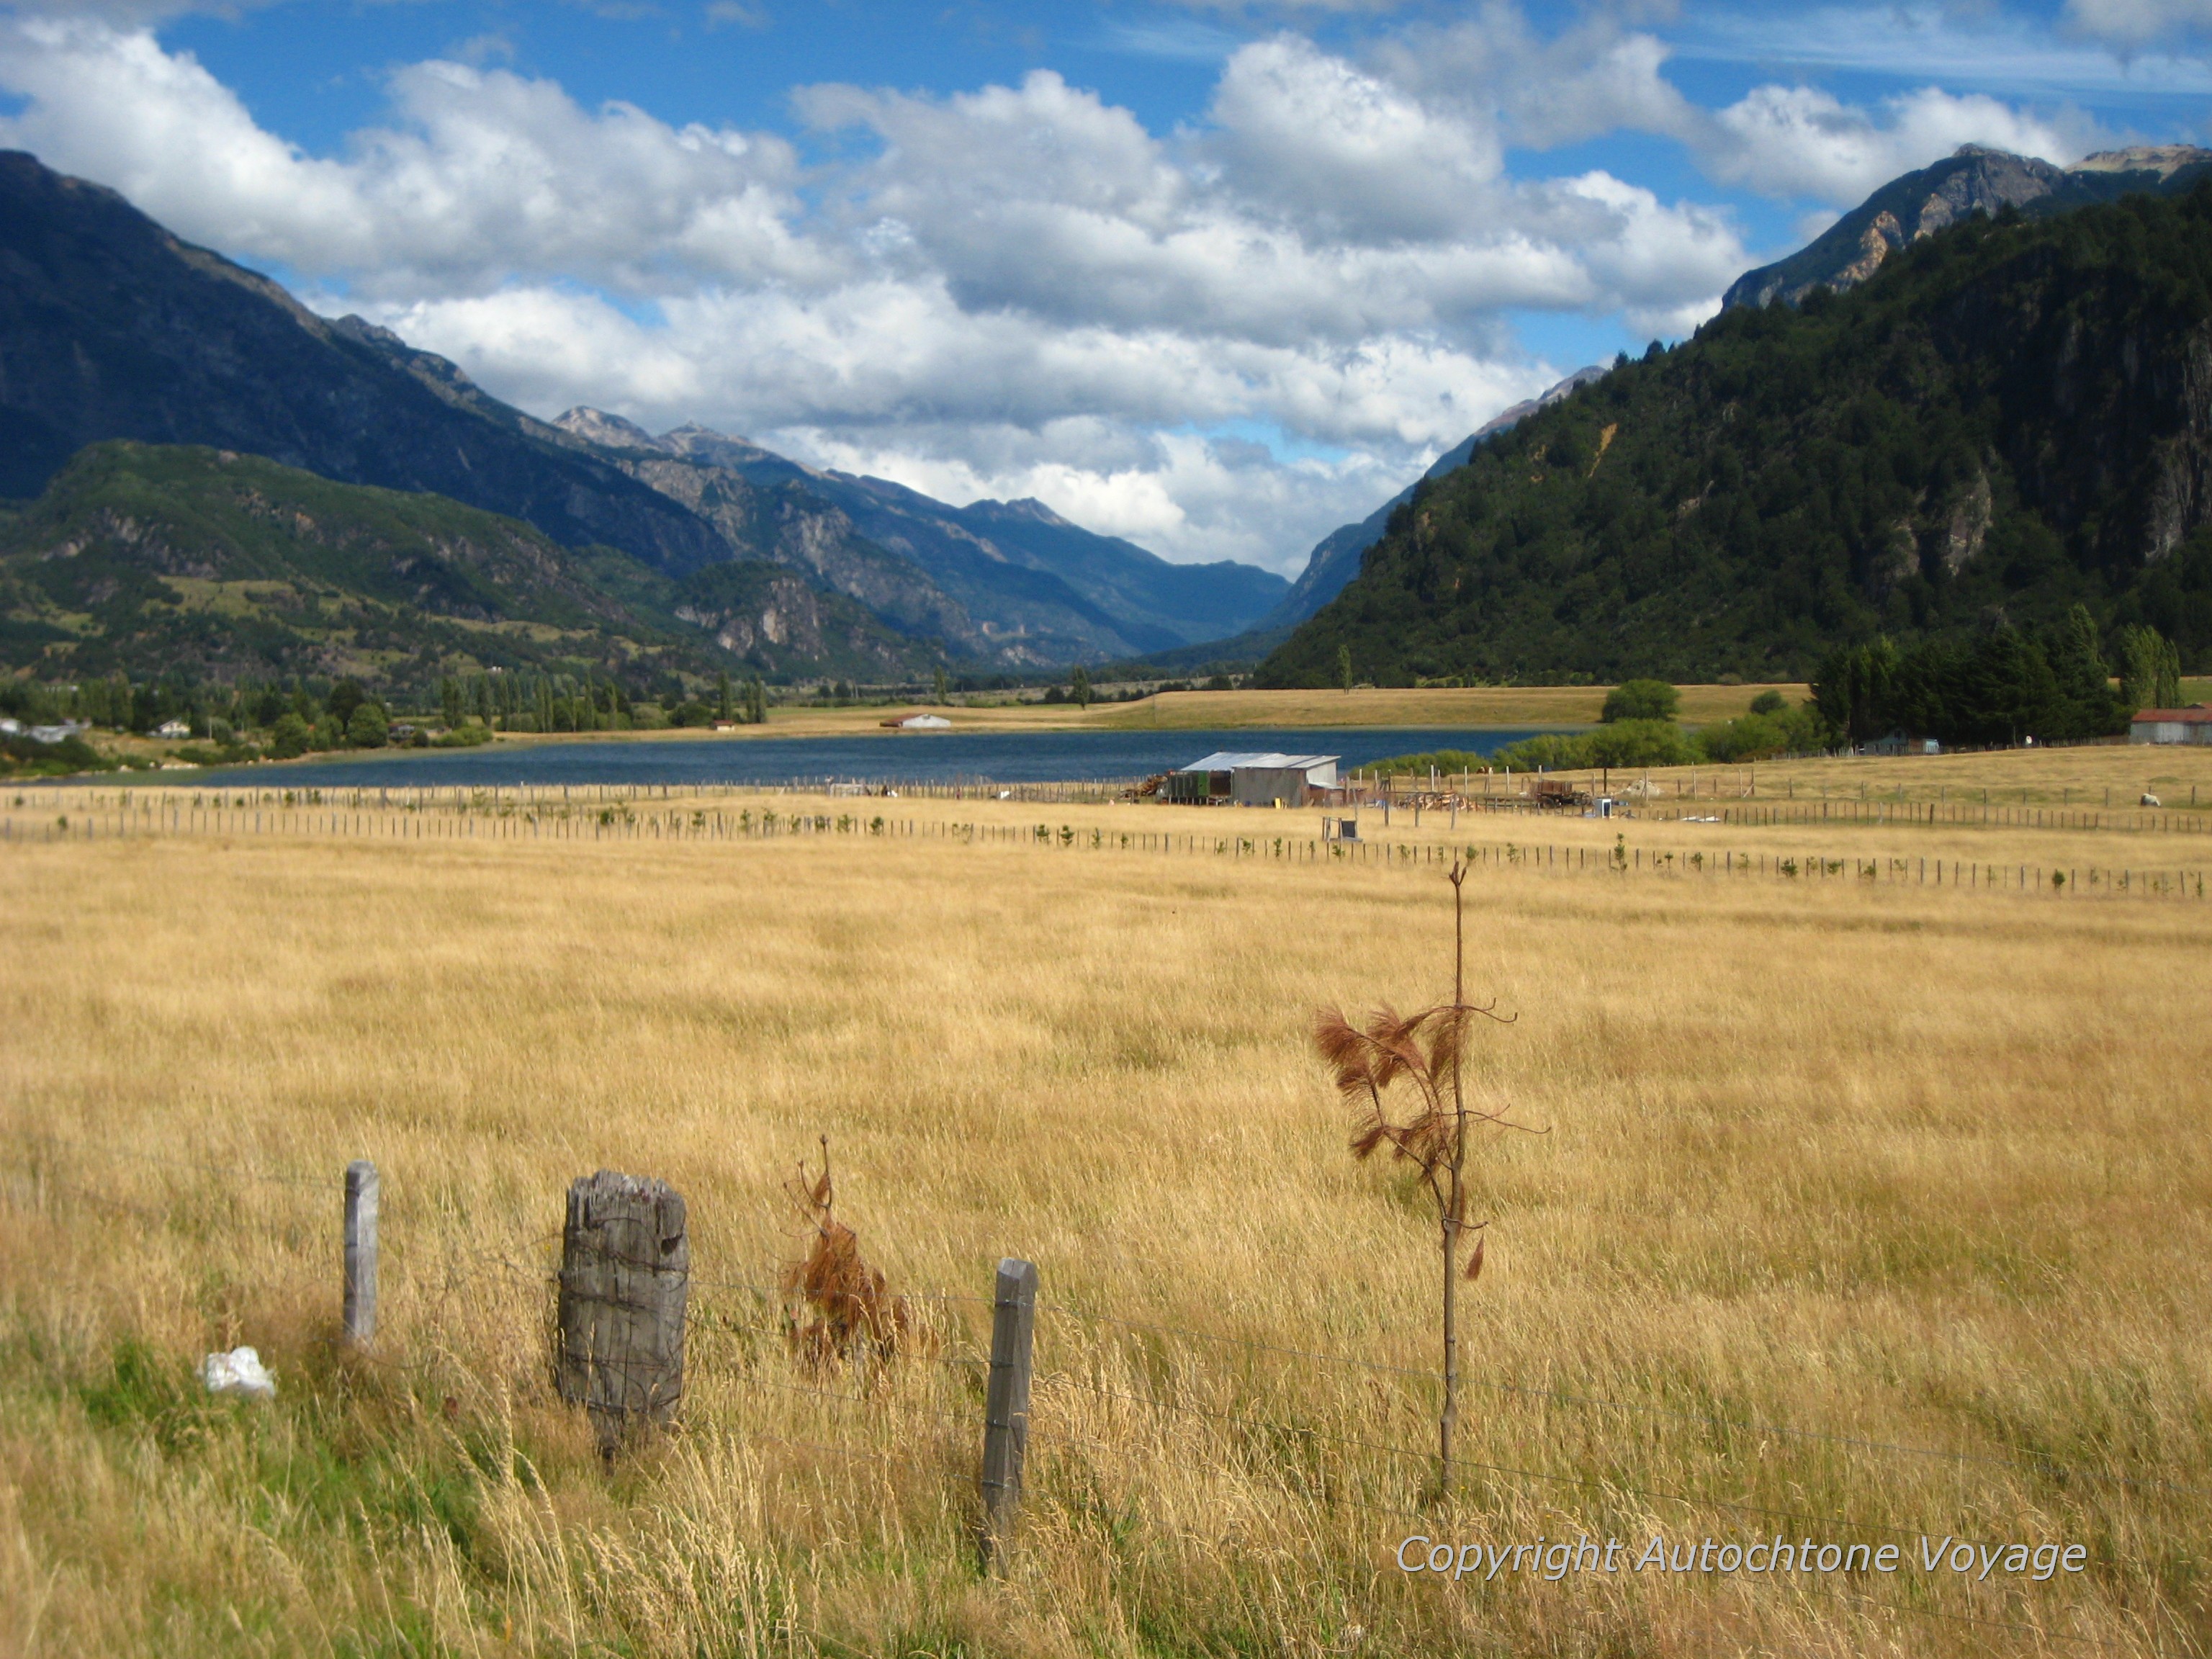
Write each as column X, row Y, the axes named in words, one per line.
column 1007, row 1406
column 360, row 1192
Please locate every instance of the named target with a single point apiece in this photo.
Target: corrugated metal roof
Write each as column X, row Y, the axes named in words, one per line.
column 2196, row 714
column 1229, row 760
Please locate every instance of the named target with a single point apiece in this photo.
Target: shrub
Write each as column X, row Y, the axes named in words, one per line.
column 289, row 738
column 1769, row 702
column 1749, row 736
column 369, row 728
column 1640, row 742
column 25, row 757
column 1549, row 749
column 1640, row 699
column 1445, row 761
column 1625, row 743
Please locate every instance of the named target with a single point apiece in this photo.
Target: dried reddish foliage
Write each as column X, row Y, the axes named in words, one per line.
column 839, row 1308
column 1424, row 1050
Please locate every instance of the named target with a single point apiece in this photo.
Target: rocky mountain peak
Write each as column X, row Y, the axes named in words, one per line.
column 1973, row 178
column 595, row 426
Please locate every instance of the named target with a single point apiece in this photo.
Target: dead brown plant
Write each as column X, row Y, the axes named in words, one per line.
column 838, row 1310
column 1427, row 1051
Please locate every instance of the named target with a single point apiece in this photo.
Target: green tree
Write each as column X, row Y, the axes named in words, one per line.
column 345, row 696
column 1640, row 699
column 2150, row 669
column 1769, row 703
column 289, row 738
column 757, row 701
column 1079, row 687
column 944, row 688
column 449, row 700
column 1853, row 690
column 2084, row 681
column 369, row 728
column 1344, row 665
column 723, row 708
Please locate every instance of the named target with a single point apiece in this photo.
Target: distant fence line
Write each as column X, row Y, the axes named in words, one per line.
column 750, row 1308
column 617, row 818
column 1726, row 801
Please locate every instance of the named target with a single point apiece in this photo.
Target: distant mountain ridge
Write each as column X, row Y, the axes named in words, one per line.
column 1011, row 580
column 113, row 328
column 1970, row 181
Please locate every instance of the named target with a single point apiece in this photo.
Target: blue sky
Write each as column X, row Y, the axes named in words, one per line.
column 1213, row 276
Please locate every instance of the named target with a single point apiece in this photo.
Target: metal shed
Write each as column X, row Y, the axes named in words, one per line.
column 2189, row 725
column 1259, row 778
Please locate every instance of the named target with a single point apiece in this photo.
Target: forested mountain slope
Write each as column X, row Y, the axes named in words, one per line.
column 214, row 567
column 1335, row 558
column 2011, row 416
column 111, row 327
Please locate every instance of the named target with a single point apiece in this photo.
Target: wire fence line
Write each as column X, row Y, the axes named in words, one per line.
column 1066, row 1380
column 566, row 824
column 781, row 1293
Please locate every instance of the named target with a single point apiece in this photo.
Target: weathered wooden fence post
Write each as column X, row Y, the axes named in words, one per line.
column 625, row 1278
column 361, row 1191
column 1006, row 1404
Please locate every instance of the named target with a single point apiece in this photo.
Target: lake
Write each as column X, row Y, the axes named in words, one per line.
column 892, row 758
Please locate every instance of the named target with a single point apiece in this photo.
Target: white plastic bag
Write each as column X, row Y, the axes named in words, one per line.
column 240, row 1372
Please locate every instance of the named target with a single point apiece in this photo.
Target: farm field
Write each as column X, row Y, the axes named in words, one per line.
column 1870, row 1209
column 1198, row 711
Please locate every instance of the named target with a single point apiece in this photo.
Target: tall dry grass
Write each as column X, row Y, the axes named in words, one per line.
column 1883, row 1210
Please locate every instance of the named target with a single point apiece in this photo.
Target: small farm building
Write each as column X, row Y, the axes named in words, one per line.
column 173, row 729
column 2189, row 725
column 1254, row 779
column 920, row 723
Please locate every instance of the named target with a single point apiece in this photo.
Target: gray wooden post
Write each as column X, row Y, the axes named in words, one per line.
column 1006, row 1404
column 361, row 1191
column 625, row 1278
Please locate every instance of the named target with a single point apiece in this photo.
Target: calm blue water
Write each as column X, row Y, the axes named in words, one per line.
column 893, row 757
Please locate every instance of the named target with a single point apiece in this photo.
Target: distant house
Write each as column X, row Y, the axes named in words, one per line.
column 919, row 723
column 2189, row 725
column 61, row 733
column 173, row 729
column 1254, row 779
column 9, row 726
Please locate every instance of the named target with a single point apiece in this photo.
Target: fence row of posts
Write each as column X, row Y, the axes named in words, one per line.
column 619, row 1323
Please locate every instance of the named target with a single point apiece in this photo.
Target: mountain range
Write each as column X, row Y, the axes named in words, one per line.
column 111, row 328
column 2007, row 417
column 150, row 560
column 2033, row 384
column 1011, row 579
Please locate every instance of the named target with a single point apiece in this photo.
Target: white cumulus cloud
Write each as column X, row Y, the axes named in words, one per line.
column 1220, row 340
column 1799, row 142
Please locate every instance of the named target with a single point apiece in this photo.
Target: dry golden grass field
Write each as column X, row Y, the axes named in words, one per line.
column 1870, row 1212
